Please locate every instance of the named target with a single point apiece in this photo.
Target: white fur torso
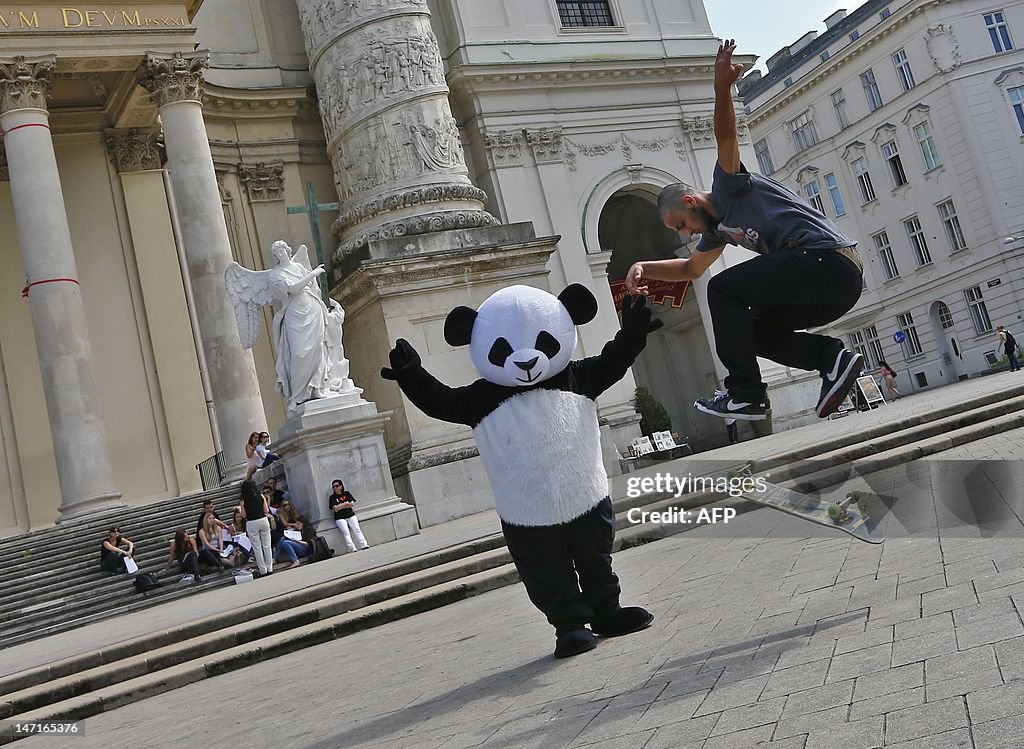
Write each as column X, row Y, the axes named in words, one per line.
column 542, row 453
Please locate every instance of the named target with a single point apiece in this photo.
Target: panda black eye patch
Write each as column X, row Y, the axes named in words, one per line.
column 547, row 344
column 500, row 351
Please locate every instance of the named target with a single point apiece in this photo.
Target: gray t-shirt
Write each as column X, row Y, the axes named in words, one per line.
column 760, row 214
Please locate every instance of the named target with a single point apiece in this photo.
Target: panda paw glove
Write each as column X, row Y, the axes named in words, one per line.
column 403, row 357
column 637, row 317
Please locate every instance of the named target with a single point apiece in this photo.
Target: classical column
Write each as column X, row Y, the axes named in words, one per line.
column 394, row 145
column 175, row 81
column 54, row 294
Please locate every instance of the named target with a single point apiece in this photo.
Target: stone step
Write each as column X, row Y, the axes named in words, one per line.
column 311, row 616
column 79, row 595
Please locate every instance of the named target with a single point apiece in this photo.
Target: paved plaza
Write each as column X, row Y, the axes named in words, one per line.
column 770, row 632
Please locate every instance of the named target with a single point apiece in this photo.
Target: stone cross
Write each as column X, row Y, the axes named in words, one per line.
column 313, row 208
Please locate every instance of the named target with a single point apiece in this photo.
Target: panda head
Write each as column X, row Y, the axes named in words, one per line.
column 521, row 335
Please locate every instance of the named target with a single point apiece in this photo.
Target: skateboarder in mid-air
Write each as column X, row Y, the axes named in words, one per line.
column 807, row 272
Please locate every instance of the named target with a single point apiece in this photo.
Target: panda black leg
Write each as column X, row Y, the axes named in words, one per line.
column 545, row 566
column 573, row 640
column 621, row 621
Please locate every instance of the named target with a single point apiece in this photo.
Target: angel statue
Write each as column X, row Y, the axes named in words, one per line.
column 307, row 336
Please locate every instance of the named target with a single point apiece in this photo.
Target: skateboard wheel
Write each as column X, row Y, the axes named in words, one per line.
column 752, row 465
column 853, row 496
column 732, row 475
column 835, row 511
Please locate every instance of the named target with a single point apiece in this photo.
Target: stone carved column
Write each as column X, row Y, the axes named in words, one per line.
column 54, row 295
column 175, row 82
column 394, row 145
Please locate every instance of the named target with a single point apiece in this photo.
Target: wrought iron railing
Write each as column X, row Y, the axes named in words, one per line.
column 212, row 471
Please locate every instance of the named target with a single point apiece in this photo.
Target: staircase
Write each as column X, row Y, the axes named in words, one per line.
column 66, row 588
column 51, row 579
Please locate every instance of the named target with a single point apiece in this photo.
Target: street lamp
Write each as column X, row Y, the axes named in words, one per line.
column 1011, row 240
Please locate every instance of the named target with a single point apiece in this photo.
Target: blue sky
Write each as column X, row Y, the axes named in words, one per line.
column 763, row 27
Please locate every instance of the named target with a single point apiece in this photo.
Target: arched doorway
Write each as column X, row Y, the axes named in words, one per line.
column 944, row 331
column 677, row 366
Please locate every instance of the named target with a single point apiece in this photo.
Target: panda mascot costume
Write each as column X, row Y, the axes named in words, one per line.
column 534, row 416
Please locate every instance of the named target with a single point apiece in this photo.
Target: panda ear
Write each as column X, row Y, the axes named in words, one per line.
column 458, row 326
column 580, row 302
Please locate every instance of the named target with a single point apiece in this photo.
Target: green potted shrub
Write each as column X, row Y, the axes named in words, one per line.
column 653, row 416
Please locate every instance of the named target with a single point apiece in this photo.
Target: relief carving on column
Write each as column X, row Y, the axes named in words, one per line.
column 135, row 150
column 177, row 77
column 546, row 145
column 263, row 182
column 25, row 82
column 322, row 18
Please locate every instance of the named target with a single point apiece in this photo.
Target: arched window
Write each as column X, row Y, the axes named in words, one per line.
column 945, row 317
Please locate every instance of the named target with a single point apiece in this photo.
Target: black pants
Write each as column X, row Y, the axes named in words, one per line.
column 190, row 564
column 567, row 568
column 757, row 306
column 1011, row 354
column 113, row 562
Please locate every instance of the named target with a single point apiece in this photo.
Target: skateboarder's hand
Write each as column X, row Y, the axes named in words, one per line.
column 636, row 283
column 726, row 71
column 403, row 355
column 637, row 316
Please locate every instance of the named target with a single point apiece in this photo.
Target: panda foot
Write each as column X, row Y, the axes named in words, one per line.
column 622, row 621
column 573, row 642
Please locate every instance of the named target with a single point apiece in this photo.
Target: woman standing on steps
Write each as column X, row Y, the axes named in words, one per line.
column 255, row 510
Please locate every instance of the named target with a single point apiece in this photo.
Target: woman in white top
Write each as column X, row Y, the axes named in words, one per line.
column 253, row 459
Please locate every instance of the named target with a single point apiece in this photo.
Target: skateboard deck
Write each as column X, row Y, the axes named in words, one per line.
column 847, row 515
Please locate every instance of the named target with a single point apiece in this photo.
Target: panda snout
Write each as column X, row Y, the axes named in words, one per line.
column 526, row 366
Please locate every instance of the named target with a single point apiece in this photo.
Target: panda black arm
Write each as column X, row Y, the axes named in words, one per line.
column 595, row 374
column 428, row 394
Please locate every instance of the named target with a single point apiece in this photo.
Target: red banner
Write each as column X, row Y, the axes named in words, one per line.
column 659, row 292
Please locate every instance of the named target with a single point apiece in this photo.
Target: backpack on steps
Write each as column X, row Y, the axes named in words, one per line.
column 321, row 550
column 146, row 582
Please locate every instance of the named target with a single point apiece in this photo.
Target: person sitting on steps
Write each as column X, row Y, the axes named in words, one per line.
column 114, row 551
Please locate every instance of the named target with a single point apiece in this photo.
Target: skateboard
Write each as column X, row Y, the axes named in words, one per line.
column 848, row 514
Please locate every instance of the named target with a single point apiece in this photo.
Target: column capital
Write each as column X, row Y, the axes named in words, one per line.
column 264, row 182
column 25, row 82
column 134, row 150
column 175, row 77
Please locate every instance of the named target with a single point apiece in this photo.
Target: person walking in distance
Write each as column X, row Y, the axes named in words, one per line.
column 807, row 272
column 1009, row 347
column 889, row 378
column 255, row 510
column 341, row 502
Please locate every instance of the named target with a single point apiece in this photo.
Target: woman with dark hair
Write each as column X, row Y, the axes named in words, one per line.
column 889, row 378
column 255, row 510
column 114, row 551
column 263, row 449
column 340, row 501
column 253, row 460
column 183, row 551
column 294, row 550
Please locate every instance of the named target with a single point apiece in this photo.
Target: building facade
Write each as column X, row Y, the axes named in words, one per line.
column 333, row 123
column 903, row 122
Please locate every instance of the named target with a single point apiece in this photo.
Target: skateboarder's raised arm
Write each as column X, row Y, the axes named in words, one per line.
column 726, row 74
